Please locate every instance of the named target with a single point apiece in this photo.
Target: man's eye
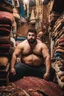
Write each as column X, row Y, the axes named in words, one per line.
column 32, row 35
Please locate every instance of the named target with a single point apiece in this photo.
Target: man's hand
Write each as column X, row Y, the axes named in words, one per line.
column 46, row 76
column 13, row 71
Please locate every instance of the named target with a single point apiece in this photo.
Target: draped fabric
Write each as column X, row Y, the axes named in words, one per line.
column 21, row 10
column 10, row 1
column 32, row 18
column 15, row 3
column 45, row 2
column 5, row 5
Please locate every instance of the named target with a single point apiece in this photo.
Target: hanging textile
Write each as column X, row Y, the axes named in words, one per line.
column 45, row 2
column 21, row 9
column 15, row 3
column 10, row 1
column 5, row 5
column 32, row 18
column 38, row 14
column 28, row 8
column 38, row 9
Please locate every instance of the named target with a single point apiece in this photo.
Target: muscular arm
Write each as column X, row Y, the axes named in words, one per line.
column 16, row 53
column 45, row 53
column 46, row 56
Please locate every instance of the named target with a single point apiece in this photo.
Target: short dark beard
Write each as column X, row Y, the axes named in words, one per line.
column 32, row 42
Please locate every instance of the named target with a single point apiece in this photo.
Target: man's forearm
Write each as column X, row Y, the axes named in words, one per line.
column 48, row 65
column 13, row 61
column 48, row 68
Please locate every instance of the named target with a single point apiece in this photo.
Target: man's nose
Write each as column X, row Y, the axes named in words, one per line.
column 31, row 36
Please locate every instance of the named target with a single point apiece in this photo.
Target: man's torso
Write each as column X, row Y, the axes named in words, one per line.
column 32, row 56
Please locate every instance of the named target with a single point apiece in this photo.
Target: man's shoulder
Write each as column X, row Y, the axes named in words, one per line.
column 42, row 44
column 22, row 43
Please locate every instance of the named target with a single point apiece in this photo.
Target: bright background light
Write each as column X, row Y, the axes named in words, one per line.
column 42, row 0
column 25, row 1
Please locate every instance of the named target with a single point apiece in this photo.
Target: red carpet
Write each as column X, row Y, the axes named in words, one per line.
column 34, row 85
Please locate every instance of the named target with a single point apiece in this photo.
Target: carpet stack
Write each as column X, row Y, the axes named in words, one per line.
column 6, row 20
column 58, row 50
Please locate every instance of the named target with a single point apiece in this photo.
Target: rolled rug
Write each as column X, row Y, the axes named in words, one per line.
column 60, row 73
column 3, row 62
column 55, row 34
column 60, row 50
column 61, row 40
column 61, row 44
column 61, row 84
column 5, row 21
column 4, row 32
column 62, row 36
column 62, row 78
column 54, row 65
column 61, row 32
column 5, row 5
column 4, row 47
column 59, row 66
column 54, row 16
column 4, row 54
column 56, row 43
column 6, row 18
column 60, row 26
column 62, row 67
column 4, row 39
column 57, row 69
column 59, row 63
column 7, row 26
column 59, row 56
column 5, row 50
column 57, row 27
column 59, row 47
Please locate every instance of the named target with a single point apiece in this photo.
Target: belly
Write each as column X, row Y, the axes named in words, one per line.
column 33, row 60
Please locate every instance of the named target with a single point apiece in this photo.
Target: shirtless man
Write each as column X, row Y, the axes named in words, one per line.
column 35, row 58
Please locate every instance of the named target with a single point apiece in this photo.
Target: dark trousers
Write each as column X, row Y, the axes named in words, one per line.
column 26, row 70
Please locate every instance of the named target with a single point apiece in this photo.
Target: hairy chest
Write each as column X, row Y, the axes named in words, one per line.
column 32, row 50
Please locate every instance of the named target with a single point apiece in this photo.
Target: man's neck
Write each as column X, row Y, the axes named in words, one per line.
column 33, row 44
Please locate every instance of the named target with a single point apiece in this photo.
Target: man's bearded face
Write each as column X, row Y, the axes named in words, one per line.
column 31, row 37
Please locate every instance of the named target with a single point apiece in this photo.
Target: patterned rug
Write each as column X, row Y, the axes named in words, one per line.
column 12, row 90
column 39, row 87
column 31, row 86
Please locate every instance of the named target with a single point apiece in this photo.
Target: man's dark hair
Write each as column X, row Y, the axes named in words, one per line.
column 32, row 31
